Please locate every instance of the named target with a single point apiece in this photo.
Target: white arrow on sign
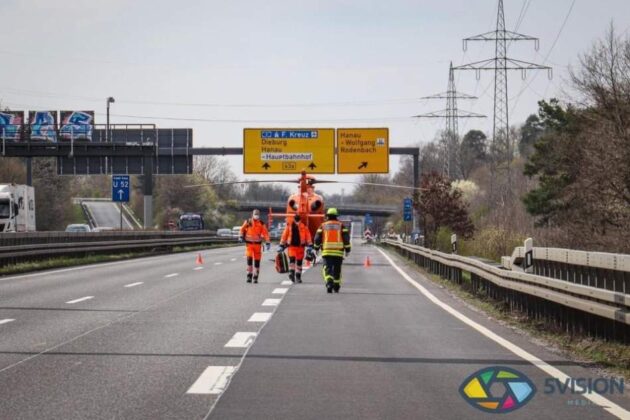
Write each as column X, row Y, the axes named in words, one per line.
column 120, row 194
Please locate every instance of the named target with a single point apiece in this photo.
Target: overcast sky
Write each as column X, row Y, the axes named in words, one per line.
column 282, row 63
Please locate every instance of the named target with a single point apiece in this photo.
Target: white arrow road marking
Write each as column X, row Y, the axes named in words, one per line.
column 271, row 302
column 6, row 321
column 287, row 283
column 213, row 380
column 260, row 317
column 552, row 371
column 168, row 276
column 71, row 302
column 134, row 284
column 280, row 291
column 241, row 339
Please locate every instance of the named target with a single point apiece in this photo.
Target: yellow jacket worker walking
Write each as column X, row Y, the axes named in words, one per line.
column 333, row 239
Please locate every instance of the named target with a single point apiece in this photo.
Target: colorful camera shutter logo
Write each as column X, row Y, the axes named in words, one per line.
column 497, row 389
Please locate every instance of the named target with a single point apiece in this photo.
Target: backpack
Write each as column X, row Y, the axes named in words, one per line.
column 282, row 263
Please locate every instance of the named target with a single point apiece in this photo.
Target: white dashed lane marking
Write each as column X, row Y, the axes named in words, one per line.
column 198, row 268
column 233, row 259
column 71, row 302
column 286, row 283
column 260, row 317
column 271, row 302
column 171, row 275
column 134, row 284
column 213, row 380
column 218, row 263
column 6, row 321
column 241, row 340
column 280, row 291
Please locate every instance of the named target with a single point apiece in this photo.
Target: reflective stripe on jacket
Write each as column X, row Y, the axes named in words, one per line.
column 254, row 232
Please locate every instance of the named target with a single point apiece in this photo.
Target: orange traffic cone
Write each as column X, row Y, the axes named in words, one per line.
column 199, row 260
column 367, row 263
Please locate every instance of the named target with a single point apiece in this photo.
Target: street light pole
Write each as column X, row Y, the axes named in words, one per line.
column 110, row 100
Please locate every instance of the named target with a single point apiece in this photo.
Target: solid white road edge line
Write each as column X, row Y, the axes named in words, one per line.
column 279, row 291
column 241, row 340
column 597, row 399
column 134, row 284
column 271, row 302
column 260, row 317
column 213, row 380
column 6, row 321
column 70, row 302
column 168, row 276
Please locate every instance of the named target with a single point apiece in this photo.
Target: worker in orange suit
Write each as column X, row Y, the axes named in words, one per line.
column 296, row 237
column 254, row 233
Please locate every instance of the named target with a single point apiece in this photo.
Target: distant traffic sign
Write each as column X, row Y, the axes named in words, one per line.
column 368, row 219
column 363, row 150
column 120, row 188
column 408, row 210
column 288, row 151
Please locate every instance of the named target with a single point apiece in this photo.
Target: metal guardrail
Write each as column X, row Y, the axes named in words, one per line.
column 23, row 247
column 598, row 269
column 575, row 308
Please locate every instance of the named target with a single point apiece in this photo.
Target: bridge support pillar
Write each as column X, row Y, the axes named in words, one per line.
column 29, row 171
column 147, row 191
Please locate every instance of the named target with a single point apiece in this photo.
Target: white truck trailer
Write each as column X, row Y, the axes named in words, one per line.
column 17, row 208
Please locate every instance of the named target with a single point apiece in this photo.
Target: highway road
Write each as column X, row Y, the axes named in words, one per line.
column 161, row 337
column 107, row 214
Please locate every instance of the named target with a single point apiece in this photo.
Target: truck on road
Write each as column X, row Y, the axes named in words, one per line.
column 17, row 208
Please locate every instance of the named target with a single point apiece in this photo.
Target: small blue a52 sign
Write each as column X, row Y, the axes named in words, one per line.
column 408, row 210
column 120, row 188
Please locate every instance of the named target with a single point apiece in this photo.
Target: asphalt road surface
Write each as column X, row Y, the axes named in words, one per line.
column 107, row 214
column 162, row 337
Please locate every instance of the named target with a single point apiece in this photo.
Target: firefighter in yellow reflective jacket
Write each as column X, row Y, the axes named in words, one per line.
column 333, row 239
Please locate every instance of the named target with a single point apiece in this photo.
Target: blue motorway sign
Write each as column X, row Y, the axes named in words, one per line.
column 120, row 188
column 368, row 219
column 408, row 210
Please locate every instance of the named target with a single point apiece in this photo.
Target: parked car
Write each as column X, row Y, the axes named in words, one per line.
column 224, row 233
column 103, row 229
column 236, row 231
column 78, row 228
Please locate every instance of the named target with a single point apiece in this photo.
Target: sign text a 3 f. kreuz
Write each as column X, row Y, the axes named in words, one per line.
column 288, row 151
column 363, row 150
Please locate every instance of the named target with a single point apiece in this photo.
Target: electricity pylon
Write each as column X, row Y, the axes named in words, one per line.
column 450, row 143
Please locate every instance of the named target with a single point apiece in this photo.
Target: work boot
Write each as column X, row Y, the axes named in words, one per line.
column 249, row 278
column 298, row 278
column 336, row 287
column 329, row 287
column 292, row 277
column 255, row 279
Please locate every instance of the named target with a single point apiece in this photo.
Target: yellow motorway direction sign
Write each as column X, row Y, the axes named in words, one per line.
column 363, row 150
column 288, row 151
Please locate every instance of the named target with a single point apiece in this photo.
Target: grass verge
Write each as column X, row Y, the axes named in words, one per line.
column 610, row 357
column 64, row 262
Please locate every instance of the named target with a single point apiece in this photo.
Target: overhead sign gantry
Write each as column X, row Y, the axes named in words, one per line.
column 288, row 151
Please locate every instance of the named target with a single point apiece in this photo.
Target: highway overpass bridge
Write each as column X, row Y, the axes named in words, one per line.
column 344, row 209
